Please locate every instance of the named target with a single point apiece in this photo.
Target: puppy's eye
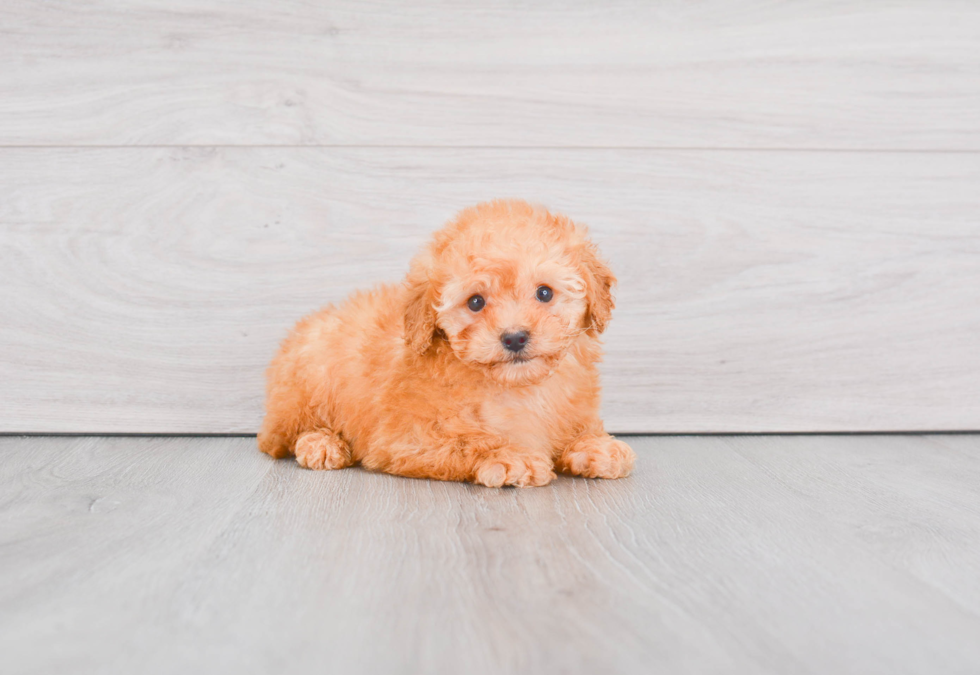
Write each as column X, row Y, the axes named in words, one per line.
column 476, row 303
column 544, row 294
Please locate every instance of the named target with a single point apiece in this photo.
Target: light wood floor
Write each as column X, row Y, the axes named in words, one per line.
column 823, row 554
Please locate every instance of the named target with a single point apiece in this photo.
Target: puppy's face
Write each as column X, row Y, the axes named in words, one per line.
column 512, row 313
column 510, row 288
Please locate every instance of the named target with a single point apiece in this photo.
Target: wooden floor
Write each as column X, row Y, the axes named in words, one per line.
column 823, row 554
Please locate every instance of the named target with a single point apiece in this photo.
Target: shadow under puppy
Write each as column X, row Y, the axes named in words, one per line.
column 480, row 367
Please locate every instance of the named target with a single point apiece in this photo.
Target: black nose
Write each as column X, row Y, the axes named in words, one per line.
column 515, row 342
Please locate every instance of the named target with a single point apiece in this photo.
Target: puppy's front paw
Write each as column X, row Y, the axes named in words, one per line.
column 322, row 450
column 513, row 467
column 598, row 457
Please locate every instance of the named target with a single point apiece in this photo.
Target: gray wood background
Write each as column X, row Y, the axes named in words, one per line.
column 790, row 194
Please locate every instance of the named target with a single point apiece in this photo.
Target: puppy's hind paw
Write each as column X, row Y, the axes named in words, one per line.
column 322, row 450
column 519, row 469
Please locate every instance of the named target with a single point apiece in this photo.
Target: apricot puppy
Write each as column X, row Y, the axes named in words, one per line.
column 480, row 367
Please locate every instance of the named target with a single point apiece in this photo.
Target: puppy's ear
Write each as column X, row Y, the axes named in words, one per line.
column 420, row 316
column 599, row 281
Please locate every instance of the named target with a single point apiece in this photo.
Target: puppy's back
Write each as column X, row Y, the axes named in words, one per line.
column 326, row 362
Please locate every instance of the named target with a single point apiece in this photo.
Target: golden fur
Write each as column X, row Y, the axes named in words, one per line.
column 409, row 380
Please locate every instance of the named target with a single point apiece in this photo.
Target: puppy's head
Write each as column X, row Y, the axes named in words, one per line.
column 510, row 287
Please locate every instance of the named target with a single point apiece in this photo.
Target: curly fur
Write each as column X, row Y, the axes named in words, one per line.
column 408, row 380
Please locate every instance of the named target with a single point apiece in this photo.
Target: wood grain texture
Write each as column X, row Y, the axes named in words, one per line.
column 719, row 555
column 145, row 290
column 713, row 73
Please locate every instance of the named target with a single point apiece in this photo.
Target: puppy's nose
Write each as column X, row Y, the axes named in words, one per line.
column 515, row 342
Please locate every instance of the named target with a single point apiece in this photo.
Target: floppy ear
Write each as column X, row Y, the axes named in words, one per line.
column 599, row 281
column 420, row 317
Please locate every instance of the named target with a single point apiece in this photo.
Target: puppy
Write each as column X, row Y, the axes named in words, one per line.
column 480, row 367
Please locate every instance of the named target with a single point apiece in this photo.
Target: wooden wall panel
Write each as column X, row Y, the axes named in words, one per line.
column 624, row 73
column 144, row 289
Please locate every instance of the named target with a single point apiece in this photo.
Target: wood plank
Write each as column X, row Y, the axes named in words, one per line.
column 613, row 73
column 916, row 505
column 145, row 290
column 749, row 555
